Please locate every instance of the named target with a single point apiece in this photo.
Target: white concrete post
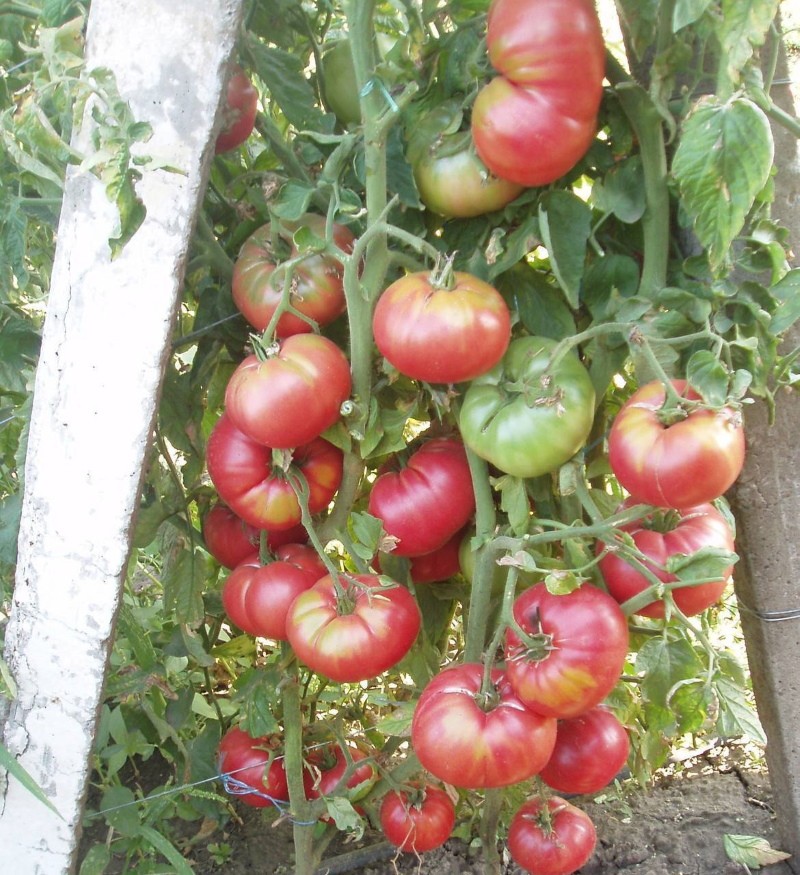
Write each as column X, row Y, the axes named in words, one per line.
column 105, row 344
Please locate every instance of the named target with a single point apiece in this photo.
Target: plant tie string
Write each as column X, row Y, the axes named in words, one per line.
column 770, row 616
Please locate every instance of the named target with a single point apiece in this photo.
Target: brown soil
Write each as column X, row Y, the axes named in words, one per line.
column 674, row 828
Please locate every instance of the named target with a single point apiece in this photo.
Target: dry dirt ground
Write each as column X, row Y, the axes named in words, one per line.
column 675, row 827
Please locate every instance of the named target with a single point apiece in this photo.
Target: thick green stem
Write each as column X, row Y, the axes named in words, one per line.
column 481, row 593
column 490, row 818
column 647, row 122
column 303, row 816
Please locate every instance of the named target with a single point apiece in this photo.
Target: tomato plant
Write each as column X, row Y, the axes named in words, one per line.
column 576, row 649
column 261, row 493
column 257, row 597
column 476, row 738
column 292, row 395
column 660, row 536
column 441, row 327
column 589, row 753
column 425, row 503
column 536, row 120
column 354, row 628
column 528, row 415
column 252, row 762
column 453, row 182
column 419, row 819
column 239, row 111
column 313, row 287
column 551, row 838
column 675, row 452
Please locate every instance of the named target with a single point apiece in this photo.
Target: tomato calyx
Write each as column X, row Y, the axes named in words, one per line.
column 488, row 697
column 534, row 645
column 442, row 277
column 662, row 520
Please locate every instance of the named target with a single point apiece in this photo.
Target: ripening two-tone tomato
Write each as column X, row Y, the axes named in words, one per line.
column 580, row 650
column 446, row 329
column 453, row 181
column 527, row 416
column 238, row 113
column 659, row 536
column 557, row 840
column 251, row 763
column 354, row 635
column 419, row 819
column 230, row 540
column 589, row 753
column 257, row 597
column 675, row 457
column 536, row 120
column 425, row 503
column 292, row 395
column 475, row 740
column 315, row 289
column 259, row 492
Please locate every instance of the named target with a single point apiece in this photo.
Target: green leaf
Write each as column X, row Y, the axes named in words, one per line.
column 741, row 28
column 541, row 305
column 751, row 851
column 293, row 200
column 20, row 343
column 514, row 502
column 366, row 531
column 142, row 647
column 722, row 162
column 704, row 564
column 687, row 12
column 399, row 721
column 787, row 292
column 737, row 717
column 184, row 581
column 622, row 191
column 118, row 806
column 96, row 860
column 706, row 374
column 663, row 662
column 10, row 514
column 345, row 816
column 165, row 847
column 282, row 73
column 565, row 222
column 13, row 766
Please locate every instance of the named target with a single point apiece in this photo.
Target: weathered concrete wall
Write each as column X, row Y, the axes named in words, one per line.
column 105, row 344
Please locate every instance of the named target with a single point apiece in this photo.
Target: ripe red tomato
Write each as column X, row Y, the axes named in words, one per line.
column 330, row 764
column 441, row 333
column 453, row 182
column 257, row 597
column 239, row 112
column 582, row 644
column 536, row 120
column 316, row 287
column 230, row 540
column 659, row 536
column 589, row 753
column 679, row 463
column 357, row 636
column 418, row 820
column 243, row 474
column 427, row 502
column 439, row 564
column 474, row 741
column 251, row 761
column 291, row 397
column 553, row 840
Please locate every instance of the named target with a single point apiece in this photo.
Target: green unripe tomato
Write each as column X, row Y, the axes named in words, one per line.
column 339, row 83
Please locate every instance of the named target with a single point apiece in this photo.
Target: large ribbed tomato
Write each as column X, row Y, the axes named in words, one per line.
column 675, row 456
column 356, row 633
column 257, row 597
column 259, row 492
column 419, row 819
column 251, row 770
column 315, row 289
column 536, row 120
column 441, row 329
column 291, row 395
column 425, row 503
column 472, row 738
column 230, row 540
column 659, row 536
column 579, row 649
column 552, row 837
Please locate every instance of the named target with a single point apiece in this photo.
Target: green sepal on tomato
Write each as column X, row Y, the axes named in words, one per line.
column 527, row 416
column 292, row 394
column 356, row 632
column 242, row 470
column 659, row 536
column 441, row 327
column 316, row 289
column 675, row 456
column 475, row 738
column 578, row 647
